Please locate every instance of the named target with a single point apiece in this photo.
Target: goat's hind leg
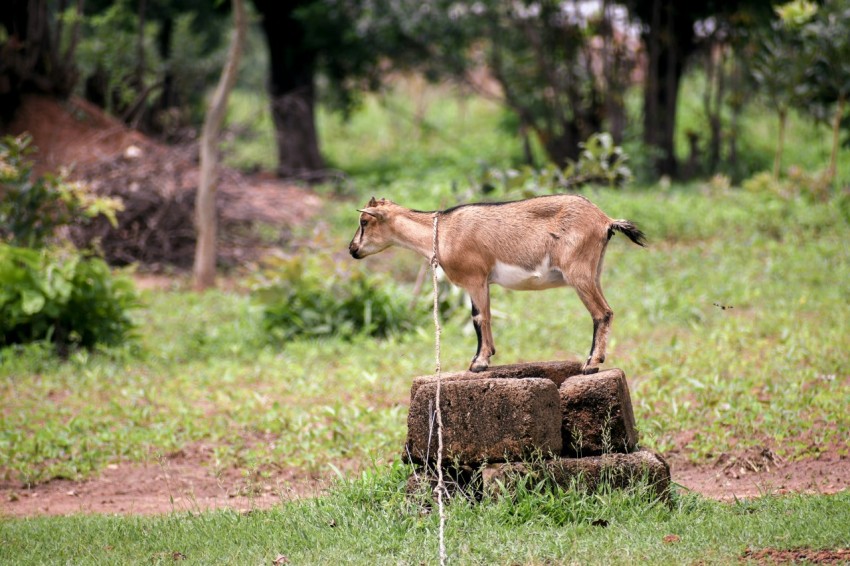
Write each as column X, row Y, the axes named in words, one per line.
column 594, row 300
column 481, row 321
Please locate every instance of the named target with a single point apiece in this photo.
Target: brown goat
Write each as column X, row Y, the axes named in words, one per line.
column 531, row 245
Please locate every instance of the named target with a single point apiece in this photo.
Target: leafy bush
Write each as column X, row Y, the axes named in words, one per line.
column 300, row 298
column 31, row 210
column 63, row 296
column 813, row 187
column 600, row 162
column 60, row 295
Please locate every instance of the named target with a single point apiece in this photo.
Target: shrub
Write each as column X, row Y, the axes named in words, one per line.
column 31, row 210
column 55, row 294
column 299, row 298
column 813, row 187
column 600, row 162
column 63, row 296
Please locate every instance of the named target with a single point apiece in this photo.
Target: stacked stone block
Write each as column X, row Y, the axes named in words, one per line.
column 528, row 418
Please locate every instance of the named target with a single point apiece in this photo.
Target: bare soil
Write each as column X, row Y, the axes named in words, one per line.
column 186, row 481
column 797, row 556
column 760, row 472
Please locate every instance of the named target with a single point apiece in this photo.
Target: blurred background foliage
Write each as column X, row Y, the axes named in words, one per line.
column 440, row 102
column 560, row 71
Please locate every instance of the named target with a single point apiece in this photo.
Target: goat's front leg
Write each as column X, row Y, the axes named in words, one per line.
column 480, row 296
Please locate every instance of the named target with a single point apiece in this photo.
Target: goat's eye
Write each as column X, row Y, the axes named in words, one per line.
column 363, row 223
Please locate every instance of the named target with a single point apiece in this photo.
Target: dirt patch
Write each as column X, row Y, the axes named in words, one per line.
column 797, row 556
column 186, row 481
column 760, row 472
column 72, row 132
column 181, row 482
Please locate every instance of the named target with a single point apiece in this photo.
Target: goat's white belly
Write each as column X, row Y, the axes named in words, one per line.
column 521, row 279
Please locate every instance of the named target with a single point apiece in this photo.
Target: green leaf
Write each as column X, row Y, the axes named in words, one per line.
column 31, row 301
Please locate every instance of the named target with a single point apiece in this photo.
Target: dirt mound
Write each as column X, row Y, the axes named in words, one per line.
column 157, row 185
column 72, row 132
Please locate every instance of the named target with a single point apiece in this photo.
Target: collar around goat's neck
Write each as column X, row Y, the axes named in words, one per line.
column 435, row 248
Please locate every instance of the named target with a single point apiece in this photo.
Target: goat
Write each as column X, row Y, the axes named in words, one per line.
column 535, row 244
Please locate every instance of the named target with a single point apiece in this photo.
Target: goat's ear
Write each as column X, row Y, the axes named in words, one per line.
column 372, row 212
column 372, row 202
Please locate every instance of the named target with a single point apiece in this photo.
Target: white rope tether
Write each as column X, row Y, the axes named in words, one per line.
column 441, row 486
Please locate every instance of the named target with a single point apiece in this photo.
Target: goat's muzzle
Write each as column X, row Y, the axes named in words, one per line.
column 354, row 251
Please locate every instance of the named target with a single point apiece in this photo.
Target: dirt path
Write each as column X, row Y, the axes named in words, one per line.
column 185, row 482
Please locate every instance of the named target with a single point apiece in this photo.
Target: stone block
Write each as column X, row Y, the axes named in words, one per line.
column 485, row 420
column 619, row 471
column 597, row 414
column 556, row 372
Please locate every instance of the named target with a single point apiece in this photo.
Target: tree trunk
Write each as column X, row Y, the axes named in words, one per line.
column 564, row 147
column 836, row 139
column 780, row 143
column 205, row 213
column 30, row 60
column 736, row 105
column 713, row 102
column 295, row 132
column 616, row 72
column 669, row 41
column 291, row 90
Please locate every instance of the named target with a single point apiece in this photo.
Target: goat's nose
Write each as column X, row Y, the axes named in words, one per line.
column 353, row 251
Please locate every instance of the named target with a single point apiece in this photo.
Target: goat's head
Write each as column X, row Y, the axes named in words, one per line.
column 373, row 234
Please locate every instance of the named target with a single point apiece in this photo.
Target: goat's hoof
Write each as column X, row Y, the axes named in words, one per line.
column 589, row 371
column 478, row 368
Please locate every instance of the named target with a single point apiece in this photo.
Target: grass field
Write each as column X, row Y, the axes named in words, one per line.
column 769, row 372
column 203, row 370
column 369, row 521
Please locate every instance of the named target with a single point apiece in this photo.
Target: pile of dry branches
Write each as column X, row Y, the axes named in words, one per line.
column 156, row 227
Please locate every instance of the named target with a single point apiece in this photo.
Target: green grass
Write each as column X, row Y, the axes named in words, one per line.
column 770, row 372
column 370, row 521
column 412, row 132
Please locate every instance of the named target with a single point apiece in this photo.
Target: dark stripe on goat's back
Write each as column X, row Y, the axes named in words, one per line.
column 459, row 206
column 502, row 203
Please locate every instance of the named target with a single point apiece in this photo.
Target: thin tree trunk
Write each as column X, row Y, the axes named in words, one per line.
column 205, row 214
column 836, row 130
column 651, row 88
column 68, row 60
column 140, row 46
column 715, row 90
column 738, row 99
column 780, row 144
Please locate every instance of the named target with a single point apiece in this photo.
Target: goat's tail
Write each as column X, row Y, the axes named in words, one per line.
column 629, row 229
